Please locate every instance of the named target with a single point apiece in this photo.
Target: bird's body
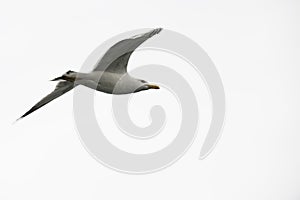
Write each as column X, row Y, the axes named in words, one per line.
column 108, row 82
column 109, row 75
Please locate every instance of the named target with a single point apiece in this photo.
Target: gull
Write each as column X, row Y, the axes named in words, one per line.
column 109, row 74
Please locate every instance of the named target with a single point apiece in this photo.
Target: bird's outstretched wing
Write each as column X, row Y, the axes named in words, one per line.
column 115, row 60
column 61, row 88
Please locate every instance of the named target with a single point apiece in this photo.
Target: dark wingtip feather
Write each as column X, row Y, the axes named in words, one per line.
column 19, row 118
column 155, row 31
column 158, row 30
column 27, row 113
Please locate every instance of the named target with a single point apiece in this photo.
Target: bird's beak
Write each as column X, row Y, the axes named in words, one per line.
column 151, row 86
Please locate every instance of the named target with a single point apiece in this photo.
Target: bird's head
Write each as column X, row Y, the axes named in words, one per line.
column 144, row 85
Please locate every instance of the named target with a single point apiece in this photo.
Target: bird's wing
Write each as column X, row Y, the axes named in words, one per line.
column 61, row 88
column 115, row 60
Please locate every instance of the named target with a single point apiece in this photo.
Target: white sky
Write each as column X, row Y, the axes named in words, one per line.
column 255, row 46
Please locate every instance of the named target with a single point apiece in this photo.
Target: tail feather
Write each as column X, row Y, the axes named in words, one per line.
column 68, row 76
column 57, row 79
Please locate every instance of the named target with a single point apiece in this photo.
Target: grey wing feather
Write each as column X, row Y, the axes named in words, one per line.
column 61, row 88
column 115, row 60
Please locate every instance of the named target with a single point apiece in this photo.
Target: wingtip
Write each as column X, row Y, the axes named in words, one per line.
column 156, row 31
column 159, row 30
column 24, row 115
column 17, row 120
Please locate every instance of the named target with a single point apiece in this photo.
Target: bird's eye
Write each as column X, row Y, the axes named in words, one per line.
column 143, row 81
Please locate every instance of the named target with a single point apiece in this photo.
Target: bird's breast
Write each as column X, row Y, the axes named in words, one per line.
column 112, row 83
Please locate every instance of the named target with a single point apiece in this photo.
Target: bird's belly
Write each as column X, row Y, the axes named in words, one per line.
column 104, row 87
column 106, row 82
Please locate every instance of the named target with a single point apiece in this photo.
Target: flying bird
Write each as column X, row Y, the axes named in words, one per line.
column 109, row 75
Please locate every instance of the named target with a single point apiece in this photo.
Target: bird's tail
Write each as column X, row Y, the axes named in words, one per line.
column 68, row 76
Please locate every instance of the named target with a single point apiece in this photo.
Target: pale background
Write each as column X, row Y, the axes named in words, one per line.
column 255, row 46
